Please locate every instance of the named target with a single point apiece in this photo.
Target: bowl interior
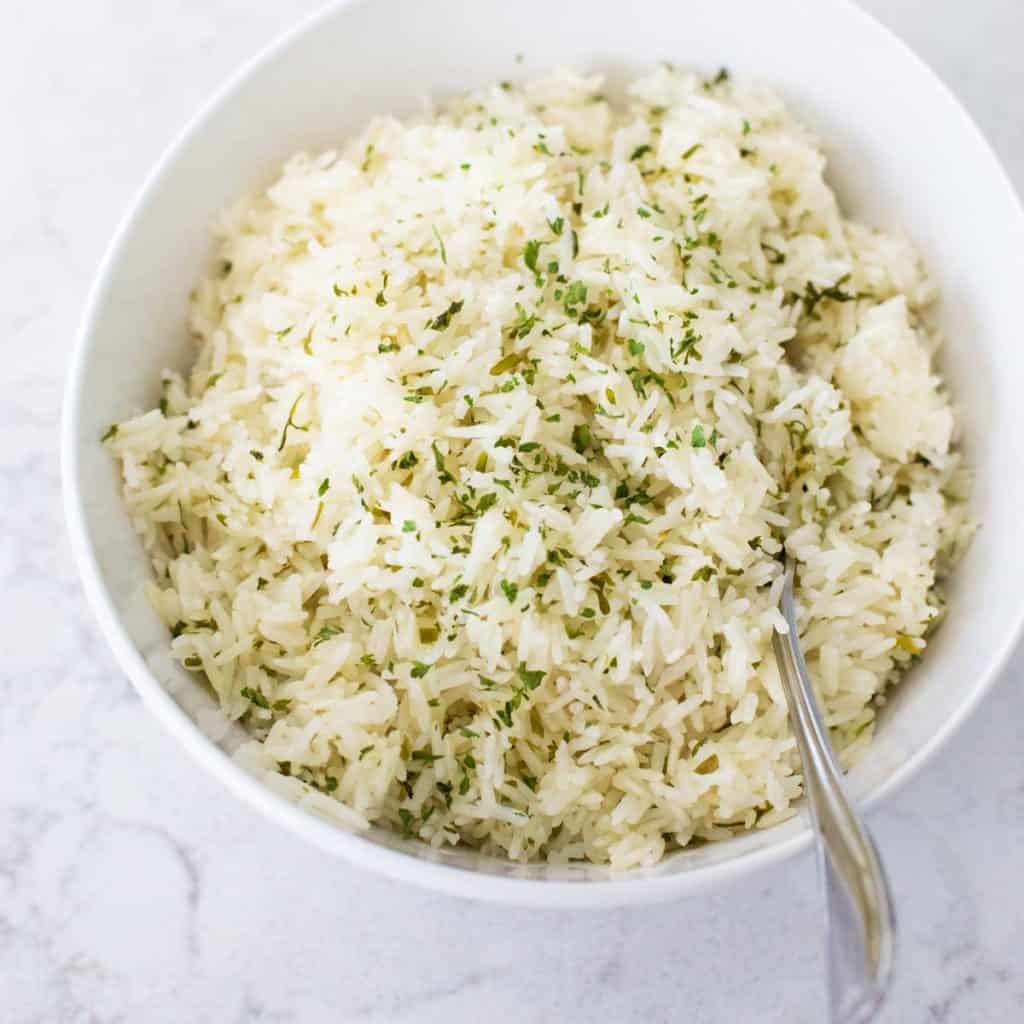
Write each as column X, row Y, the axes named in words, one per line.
column 902, row 153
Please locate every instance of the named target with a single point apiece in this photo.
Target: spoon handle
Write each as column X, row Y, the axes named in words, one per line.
column 861, row 922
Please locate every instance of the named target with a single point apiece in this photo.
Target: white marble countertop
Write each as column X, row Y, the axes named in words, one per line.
column 133, row 888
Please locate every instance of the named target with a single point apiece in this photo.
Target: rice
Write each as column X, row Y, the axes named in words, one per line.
column 471, row 506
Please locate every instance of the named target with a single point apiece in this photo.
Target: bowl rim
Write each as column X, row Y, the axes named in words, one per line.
column 614, row 890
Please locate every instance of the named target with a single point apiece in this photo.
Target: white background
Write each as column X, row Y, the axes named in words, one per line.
column 132, row 888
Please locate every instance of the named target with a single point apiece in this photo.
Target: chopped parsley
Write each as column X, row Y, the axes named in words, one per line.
column 813, row 295
column 442, row 320
column 530, row 254
column 325, row 634
column 425, row 755
column 575, row 295
column 505, row 364
column 531, row 680
column 581, row 437
column 255, row 697
column 523, row 325
column 440, row 240
column 443, row 475
column 290, row 424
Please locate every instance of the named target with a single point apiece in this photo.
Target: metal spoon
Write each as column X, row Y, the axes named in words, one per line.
column 861, row 925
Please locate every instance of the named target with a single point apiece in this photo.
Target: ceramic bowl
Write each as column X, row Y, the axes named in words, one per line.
column 901, row 152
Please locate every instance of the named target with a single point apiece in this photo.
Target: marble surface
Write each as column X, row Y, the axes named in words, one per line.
column 132, row 888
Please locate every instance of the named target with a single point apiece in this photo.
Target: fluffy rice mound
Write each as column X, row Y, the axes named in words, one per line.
column 472, row 503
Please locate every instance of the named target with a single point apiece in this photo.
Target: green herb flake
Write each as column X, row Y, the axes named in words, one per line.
column 443, row 475
column 442, row 320
column 425, row 755
column 255, row 697
column 504, row 365
column 440, row 240
column 409, row 526
column 325, row 634
column 290, row 424
column 510, row 590
column 324, row 487
column 419, row 669
column 530, row 254
column 697, row 439
column 581, row 437
column 575, row 295
column 531, row 680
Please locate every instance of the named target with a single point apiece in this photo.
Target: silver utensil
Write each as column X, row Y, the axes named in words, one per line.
column 861, row 925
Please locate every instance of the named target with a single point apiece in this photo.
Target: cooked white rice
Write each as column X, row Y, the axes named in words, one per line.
column 472, row 503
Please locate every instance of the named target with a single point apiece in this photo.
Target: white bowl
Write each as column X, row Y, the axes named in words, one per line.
column 902, row 152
